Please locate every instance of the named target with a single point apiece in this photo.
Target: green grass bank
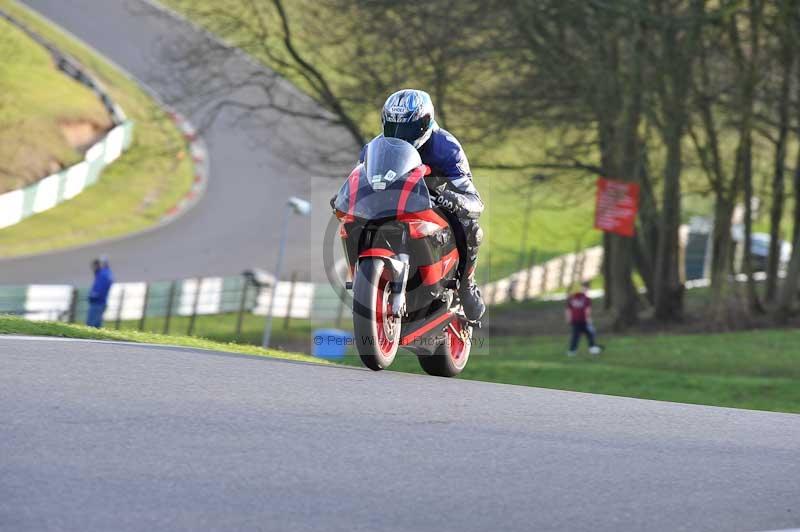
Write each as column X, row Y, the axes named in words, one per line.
column 135, row 192
column 19, row 326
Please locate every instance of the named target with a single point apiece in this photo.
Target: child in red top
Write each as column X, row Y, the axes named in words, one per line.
column 579, row 315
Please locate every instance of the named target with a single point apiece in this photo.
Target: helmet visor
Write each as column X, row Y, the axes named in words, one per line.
column 407, row 131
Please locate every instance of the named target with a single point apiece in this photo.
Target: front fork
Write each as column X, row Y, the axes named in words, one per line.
column 399, row 264
column 400, row 267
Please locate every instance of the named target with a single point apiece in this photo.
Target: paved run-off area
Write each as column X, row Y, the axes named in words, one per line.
column 100, row 436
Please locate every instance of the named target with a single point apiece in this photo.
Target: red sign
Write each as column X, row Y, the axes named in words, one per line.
column 616, row 207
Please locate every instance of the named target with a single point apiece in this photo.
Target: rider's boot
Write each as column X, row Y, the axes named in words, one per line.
column 468, row 292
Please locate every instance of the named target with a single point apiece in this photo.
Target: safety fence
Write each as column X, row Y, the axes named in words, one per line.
column 48, row 192
column 554, row 275
column 156, row 305
column 146, row 304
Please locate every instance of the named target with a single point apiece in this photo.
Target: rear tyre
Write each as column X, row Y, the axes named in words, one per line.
column 377, row 332
column 450, row 358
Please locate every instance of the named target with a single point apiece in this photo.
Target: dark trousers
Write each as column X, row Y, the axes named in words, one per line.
column 95, row 315
column 579, row 328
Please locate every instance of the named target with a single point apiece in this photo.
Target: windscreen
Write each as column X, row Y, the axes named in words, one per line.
column 390, row 157
column 381, row 182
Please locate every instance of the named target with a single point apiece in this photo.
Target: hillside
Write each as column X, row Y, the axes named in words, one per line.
column 47, row 120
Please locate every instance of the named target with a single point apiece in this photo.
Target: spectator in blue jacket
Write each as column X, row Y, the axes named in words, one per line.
column 98, row 297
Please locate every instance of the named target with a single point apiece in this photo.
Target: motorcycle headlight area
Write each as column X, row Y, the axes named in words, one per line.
column 422, row 228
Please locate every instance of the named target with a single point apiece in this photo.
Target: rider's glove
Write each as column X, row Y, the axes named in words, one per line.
column 450, row 201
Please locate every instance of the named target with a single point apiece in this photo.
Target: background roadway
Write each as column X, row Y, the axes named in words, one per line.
column 235, row 225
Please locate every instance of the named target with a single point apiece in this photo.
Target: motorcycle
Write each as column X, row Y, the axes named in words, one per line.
column 404, row 262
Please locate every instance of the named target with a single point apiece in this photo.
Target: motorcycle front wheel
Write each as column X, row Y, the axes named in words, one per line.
column 377, row 332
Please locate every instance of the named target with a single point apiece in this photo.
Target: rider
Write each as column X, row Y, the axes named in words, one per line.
column 408, row 115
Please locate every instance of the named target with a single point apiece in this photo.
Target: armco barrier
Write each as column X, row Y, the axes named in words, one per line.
column 69, row 181
column 48, row 192
column 301, row 300
column 556, row 274
column 186, row 297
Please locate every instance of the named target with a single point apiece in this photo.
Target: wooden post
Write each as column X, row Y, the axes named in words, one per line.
column 170, row 304
column 289, row 302
column 73, row 305
column 144, row 306
column 582, row 266
column 242, row 303
column 193, row 318
column 529, row 276
column 576, row 258
column 543, row 284
column 119, row 308
column 512, row 286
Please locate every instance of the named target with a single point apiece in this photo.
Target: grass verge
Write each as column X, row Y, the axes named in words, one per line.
column 36, row 103
column 294, row 336
column 14, row 325
column 756, row 370
column 134, row 192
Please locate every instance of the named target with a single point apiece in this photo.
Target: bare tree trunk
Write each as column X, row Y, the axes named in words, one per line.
column 618, row 259
column 747, row 57
column 778, row 195
column 629, row 146
column 775, row 215
column 789, row 291
column 667, row 277
column 608, row 300
column 796, row 189
column 642, row 260
column 720, row 258
column 646, row 245
column 678, row 55
column 753, row 302
column 626, row 300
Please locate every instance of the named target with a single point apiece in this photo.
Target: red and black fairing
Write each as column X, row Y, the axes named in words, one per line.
column 398, row 218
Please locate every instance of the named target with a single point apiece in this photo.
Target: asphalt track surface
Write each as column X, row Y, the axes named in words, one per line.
column 102, row 436
column 235, row 226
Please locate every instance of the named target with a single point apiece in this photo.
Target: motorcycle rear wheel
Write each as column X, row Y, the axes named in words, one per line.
column 377, row 332
column 450, row 358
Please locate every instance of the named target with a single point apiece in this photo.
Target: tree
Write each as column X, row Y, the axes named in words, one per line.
column 783, row 25
column 747, row 58
column 677, row 31
column 724, row 101
column 788, row 293
column 624, row 85
column 584, row 66
column 215, row 75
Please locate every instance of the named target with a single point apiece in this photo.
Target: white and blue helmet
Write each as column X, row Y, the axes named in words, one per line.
column 408, row 115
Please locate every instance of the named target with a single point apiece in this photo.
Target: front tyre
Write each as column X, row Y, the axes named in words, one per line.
column 450, row 358
column 377, row 332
